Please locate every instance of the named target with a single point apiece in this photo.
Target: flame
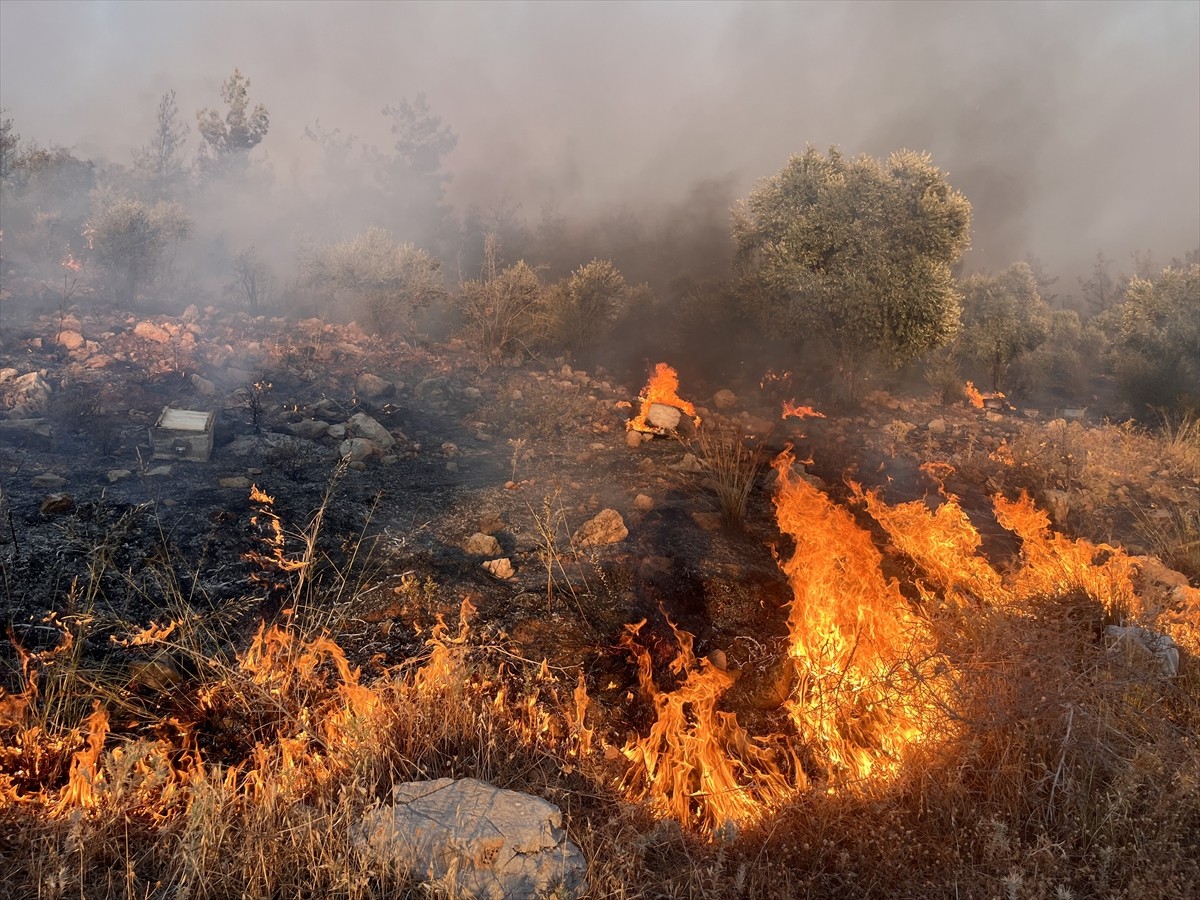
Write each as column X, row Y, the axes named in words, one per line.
column 697, row 765
column 973, row 396
column 663, row 388
column 272, row 537
column 793, row 410
column 854, row 642
column 81, row 789
column 71, row 263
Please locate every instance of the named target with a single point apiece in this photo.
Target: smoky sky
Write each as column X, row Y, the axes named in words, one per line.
column 1071, row 127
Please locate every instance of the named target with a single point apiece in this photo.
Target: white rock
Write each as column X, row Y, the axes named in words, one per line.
column 356, row 449
column 362, row 425
column 500, row 568
column 475, row 841
column 662, row 416
column 725, row 399
column 606, row 528
column 1144, row 645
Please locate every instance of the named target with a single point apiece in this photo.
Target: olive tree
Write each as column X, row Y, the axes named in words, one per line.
column 390, row 281
column 854, row 255
column 130, row 238
column 1158, row 346
column 1003, row 317
column 502, row 310
column 583, row 306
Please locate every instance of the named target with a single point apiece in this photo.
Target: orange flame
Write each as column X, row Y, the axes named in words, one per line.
column 697, row 765
column 973, row 396
column 853, row 640
column 793, row 410
column 272, row 537
column 663, row 388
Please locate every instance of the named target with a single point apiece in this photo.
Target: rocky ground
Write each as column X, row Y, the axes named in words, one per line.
column 516, row 486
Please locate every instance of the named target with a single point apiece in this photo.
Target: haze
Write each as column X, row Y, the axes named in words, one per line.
column 1071, row 127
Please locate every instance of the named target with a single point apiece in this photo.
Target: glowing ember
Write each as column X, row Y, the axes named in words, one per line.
column 662, row 388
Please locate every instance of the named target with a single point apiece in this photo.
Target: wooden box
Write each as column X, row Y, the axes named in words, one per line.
column 183, row 434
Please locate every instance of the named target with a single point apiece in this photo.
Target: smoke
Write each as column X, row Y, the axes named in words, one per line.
column 1071, row 128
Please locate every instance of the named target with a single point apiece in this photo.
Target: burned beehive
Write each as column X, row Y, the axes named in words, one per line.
column 183, row 434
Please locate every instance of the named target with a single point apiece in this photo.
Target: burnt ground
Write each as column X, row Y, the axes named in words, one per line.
column 527, row 452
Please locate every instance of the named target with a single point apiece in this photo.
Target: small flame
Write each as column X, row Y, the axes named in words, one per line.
column 793, row 410
column 973, row 396
column 70, row 263
column 663, row 388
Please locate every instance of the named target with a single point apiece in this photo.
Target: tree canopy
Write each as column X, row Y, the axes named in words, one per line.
column 240, row 130
column 1158, row 350
column 1003, row 317
column 855, row 253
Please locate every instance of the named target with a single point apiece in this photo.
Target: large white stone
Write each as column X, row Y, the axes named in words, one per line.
column 475, row 841
column 362, row 425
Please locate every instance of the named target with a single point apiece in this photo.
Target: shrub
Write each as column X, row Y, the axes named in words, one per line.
column 501, row 310
column 584, row 306
column 1158, row 348
column 389, row 281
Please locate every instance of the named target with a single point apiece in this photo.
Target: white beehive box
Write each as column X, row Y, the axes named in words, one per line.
column 183, row 434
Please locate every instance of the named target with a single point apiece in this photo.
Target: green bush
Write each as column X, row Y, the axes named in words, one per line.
column 389, row 281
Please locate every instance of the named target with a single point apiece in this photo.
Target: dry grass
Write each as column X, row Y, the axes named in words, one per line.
column 731, row 468
column 1069, row 769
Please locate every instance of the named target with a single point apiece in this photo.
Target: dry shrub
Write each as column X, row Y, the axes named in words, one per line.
column 731, row 468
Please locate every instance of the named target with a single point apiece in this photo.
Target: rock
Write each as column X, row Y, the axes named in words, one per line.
column 148, row 331
column 337, row 432
column 29, row 395
column 689, row 465
column 480, row 544
column 501, row 568
column 768, row 686
column 155, row 675
column 634, row 438
column 643, row 503
column 71, row 340
column 239, row 482
column 607, row 527
column 937, row 426
column 310, row 429
column 48, row 480
column 362, row 425
column 56, row 503
column 115, row 475
column 662, row 416
column 203, row 386
column 475, row 841
column 372, row 387
column 1143, row 646
column 356, row 449
column 159, row 472
column 725, row 399
column 1058, row 504
column 491, row 522
column 26, row 432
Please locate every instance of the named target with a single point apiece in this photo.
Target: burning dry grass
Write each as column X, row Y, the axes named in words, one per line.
column 972, row 733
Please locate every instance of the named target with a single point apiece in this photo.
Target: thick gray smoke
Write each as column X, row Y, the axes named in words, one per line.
column 1071, row 127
